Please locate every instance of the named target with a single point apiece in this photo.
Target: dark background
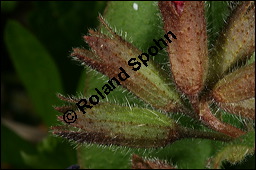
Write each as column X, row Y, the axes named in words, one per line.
column 59, row 26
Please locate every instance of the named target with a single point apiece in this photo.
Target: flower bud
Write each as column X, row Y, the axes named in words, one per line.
column 110, row 124
column 142, row 78
column 236, row 42
column 236, row 86
column 188, row 54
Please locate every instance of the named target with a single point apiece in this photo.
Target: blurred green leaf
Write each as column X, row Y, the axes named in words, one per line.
column 11, row 151
column 52, row 153
column 140, row 20
column 8, row 6
column 63, row 23
column 101, row 157
column 35, row 68
column 187, row 153
column 216, row 14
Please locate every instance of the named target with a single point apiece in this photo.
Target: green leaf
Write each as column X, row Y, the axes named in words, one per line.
column 35, row 68
column 52, row 153
column 98, row 157
column 11, row 151
column 187, row 153
column 138, row 18
column 216, row 14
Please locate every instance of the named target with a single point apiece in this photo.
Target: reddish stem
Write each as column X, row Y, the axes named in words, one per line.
column 206, row 116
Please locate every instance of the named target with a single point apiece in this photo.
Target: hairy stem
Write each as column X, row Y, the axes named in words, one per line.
column 208, row 119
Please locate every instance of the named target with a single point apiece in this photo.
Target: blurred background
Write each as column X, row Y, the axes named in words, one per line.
column 37, row 38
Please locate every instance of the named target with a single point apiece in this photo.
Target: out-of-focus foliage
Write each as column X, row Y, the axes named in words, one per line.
column 38, row 37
